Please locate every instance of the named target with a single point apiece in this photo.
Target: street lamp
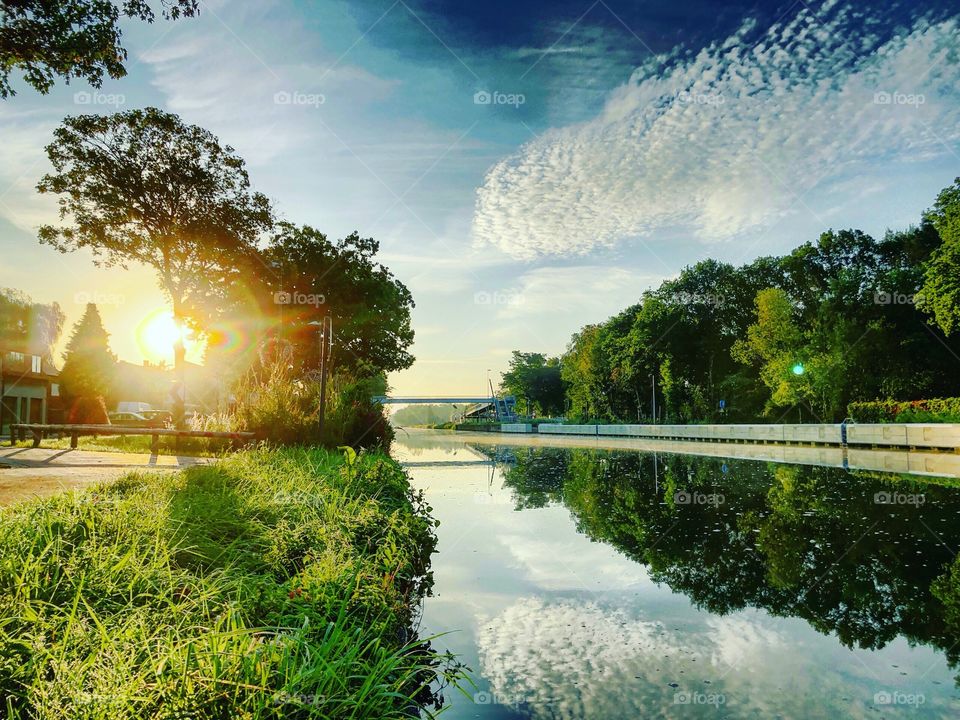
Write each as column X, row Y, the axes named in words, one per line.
column 653, row 397
column 325, row 327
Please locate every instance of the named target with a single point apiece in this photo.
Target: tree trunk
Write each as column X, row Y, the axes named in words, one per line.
column 179, row 369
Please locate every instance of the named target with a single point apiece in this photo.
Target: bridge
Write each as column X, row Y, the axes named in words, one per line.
column 502, row 408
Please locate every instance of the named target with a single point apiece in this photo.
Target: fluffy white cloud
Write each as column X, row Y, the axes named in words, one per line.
column 729, row 141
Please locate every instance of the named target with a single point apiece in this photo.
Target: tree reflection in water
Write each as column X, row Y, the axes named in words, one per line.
column 866, row 556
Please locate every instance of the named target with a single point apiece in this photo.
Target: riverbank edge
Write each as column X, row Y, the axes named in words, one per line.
column 268, row 583
column 930, row 436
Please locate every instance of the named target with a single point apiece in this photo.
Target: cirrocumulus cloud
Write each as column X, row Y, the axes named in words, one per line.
column 729, row 140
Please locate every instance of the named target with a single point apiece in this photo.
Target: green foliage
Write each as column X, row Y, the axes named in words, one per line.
column 88, row 410
column 934, row 410
column 369, row 306
column 535, row 379
column 70, row 38
column 423, row 415
column 271, row 585
column 88, row 364
column 26, row 326
column 282, row 407
column 941, row 289
column 143, row 186
column 847, row 308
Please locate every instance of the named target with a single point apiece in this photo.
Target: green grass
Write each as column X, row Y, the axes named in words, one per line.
column 273, row 584
column 197, row 447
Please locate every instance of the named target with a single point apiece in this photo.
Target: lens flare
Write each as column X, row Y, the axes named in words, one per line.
column 156, row 335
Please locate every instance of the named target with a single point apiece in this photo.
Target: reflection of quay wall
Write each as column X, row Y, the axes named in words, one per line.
column 914, row 462
column 919, row 435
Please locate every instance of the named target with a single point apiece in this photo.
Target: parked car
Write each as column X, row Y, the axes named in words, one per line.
column 132, row 419
column 161, row 418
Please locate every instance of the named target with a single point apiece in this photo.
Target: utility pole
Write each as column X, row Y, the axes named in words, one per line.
column 653, row 396
column 326, row 352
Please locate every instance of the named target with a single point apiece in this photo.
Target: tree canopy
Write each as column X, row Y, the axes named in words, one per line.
column 88, row 365
column 308, row 276
column 535, row 379
column 26, row 326
column 840, row 319
column 70, row 38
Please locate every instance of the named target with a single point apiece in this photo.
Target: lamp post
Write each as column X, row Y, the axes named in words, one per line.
column 326, row 351
column 653, row 397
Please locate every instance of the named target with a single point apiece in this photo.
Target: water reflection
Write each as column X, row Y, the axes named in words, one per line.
column 710, row 586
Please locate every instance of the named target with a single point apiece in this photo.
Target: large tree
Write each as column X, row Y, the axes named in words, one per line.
column 941, row 290
column 88, row 365
column 308, row 276
column 70, row 38
column 144, row 187
column 27, row 326
column 536, row 379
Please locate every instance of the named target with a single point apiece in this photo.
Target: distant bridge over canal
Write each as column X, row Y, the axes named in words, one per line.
column 500, row 408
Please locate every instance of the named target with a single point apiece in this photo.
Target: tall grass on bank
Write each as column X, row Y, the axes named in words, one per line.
column 270, row 585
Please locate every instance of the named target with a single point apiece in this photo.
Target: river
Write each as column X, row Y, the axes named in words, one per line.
column 585, row 582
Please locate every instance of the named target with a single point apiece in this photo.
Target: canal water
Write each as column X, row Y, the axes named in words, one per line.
column 594, row 583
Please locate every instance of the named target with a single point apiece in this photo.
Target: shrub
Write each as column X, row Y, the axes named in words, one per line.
column 284, row 409
column 89, row 411
column 934, row 410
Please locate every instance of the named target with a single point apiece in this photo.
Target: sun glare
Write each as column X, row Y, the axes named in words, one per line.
column 156, row 334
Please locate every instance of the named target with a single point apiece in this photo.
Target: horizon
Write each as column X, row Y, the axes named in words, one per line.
column 522, row 181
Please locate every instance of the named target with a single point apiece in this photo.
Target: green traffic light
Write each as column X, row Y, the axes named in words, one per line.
column 798, row 369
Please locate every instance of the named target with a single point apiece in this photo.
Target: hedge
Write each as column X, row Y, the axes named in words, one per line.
column 934, row 410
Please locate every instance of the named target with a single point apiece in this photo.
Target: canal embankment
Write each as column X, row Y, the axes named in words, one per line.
column 939, row 436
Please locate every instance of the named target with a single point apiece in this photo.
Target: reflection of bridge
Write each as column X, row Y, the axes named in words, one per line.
column 500, row 408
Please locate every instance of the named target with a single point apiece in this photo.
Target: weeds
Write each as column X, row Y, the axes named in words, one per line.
column 270, row 585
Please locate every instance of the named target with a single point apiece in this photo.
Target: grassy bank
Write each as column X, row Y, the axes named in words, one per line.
column 270, row 585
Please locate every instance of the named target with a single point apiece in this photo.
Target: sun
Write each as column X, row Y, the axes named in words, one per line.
column 156, row 335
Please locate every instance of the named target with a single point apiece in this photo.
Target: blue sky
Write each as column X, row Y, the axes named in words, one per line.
column 528, row 167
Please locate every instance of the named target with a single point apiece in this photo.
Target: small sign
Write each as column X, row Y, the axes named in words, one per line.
column 723, row 404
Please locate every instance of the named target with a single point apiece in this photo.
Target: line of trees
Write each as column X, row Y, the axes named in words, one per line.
column 800, row 336
column 144, row 187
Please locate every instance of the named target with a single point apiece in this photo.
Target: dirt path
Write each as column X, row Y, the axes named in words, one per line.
column 35, row 472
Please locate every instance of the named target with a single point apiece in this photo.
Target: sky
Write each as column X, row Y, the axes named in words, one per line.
column 528, row 166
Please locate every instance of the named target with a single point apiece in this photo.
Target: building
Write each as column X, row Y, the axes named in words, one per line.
column 29, row 391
